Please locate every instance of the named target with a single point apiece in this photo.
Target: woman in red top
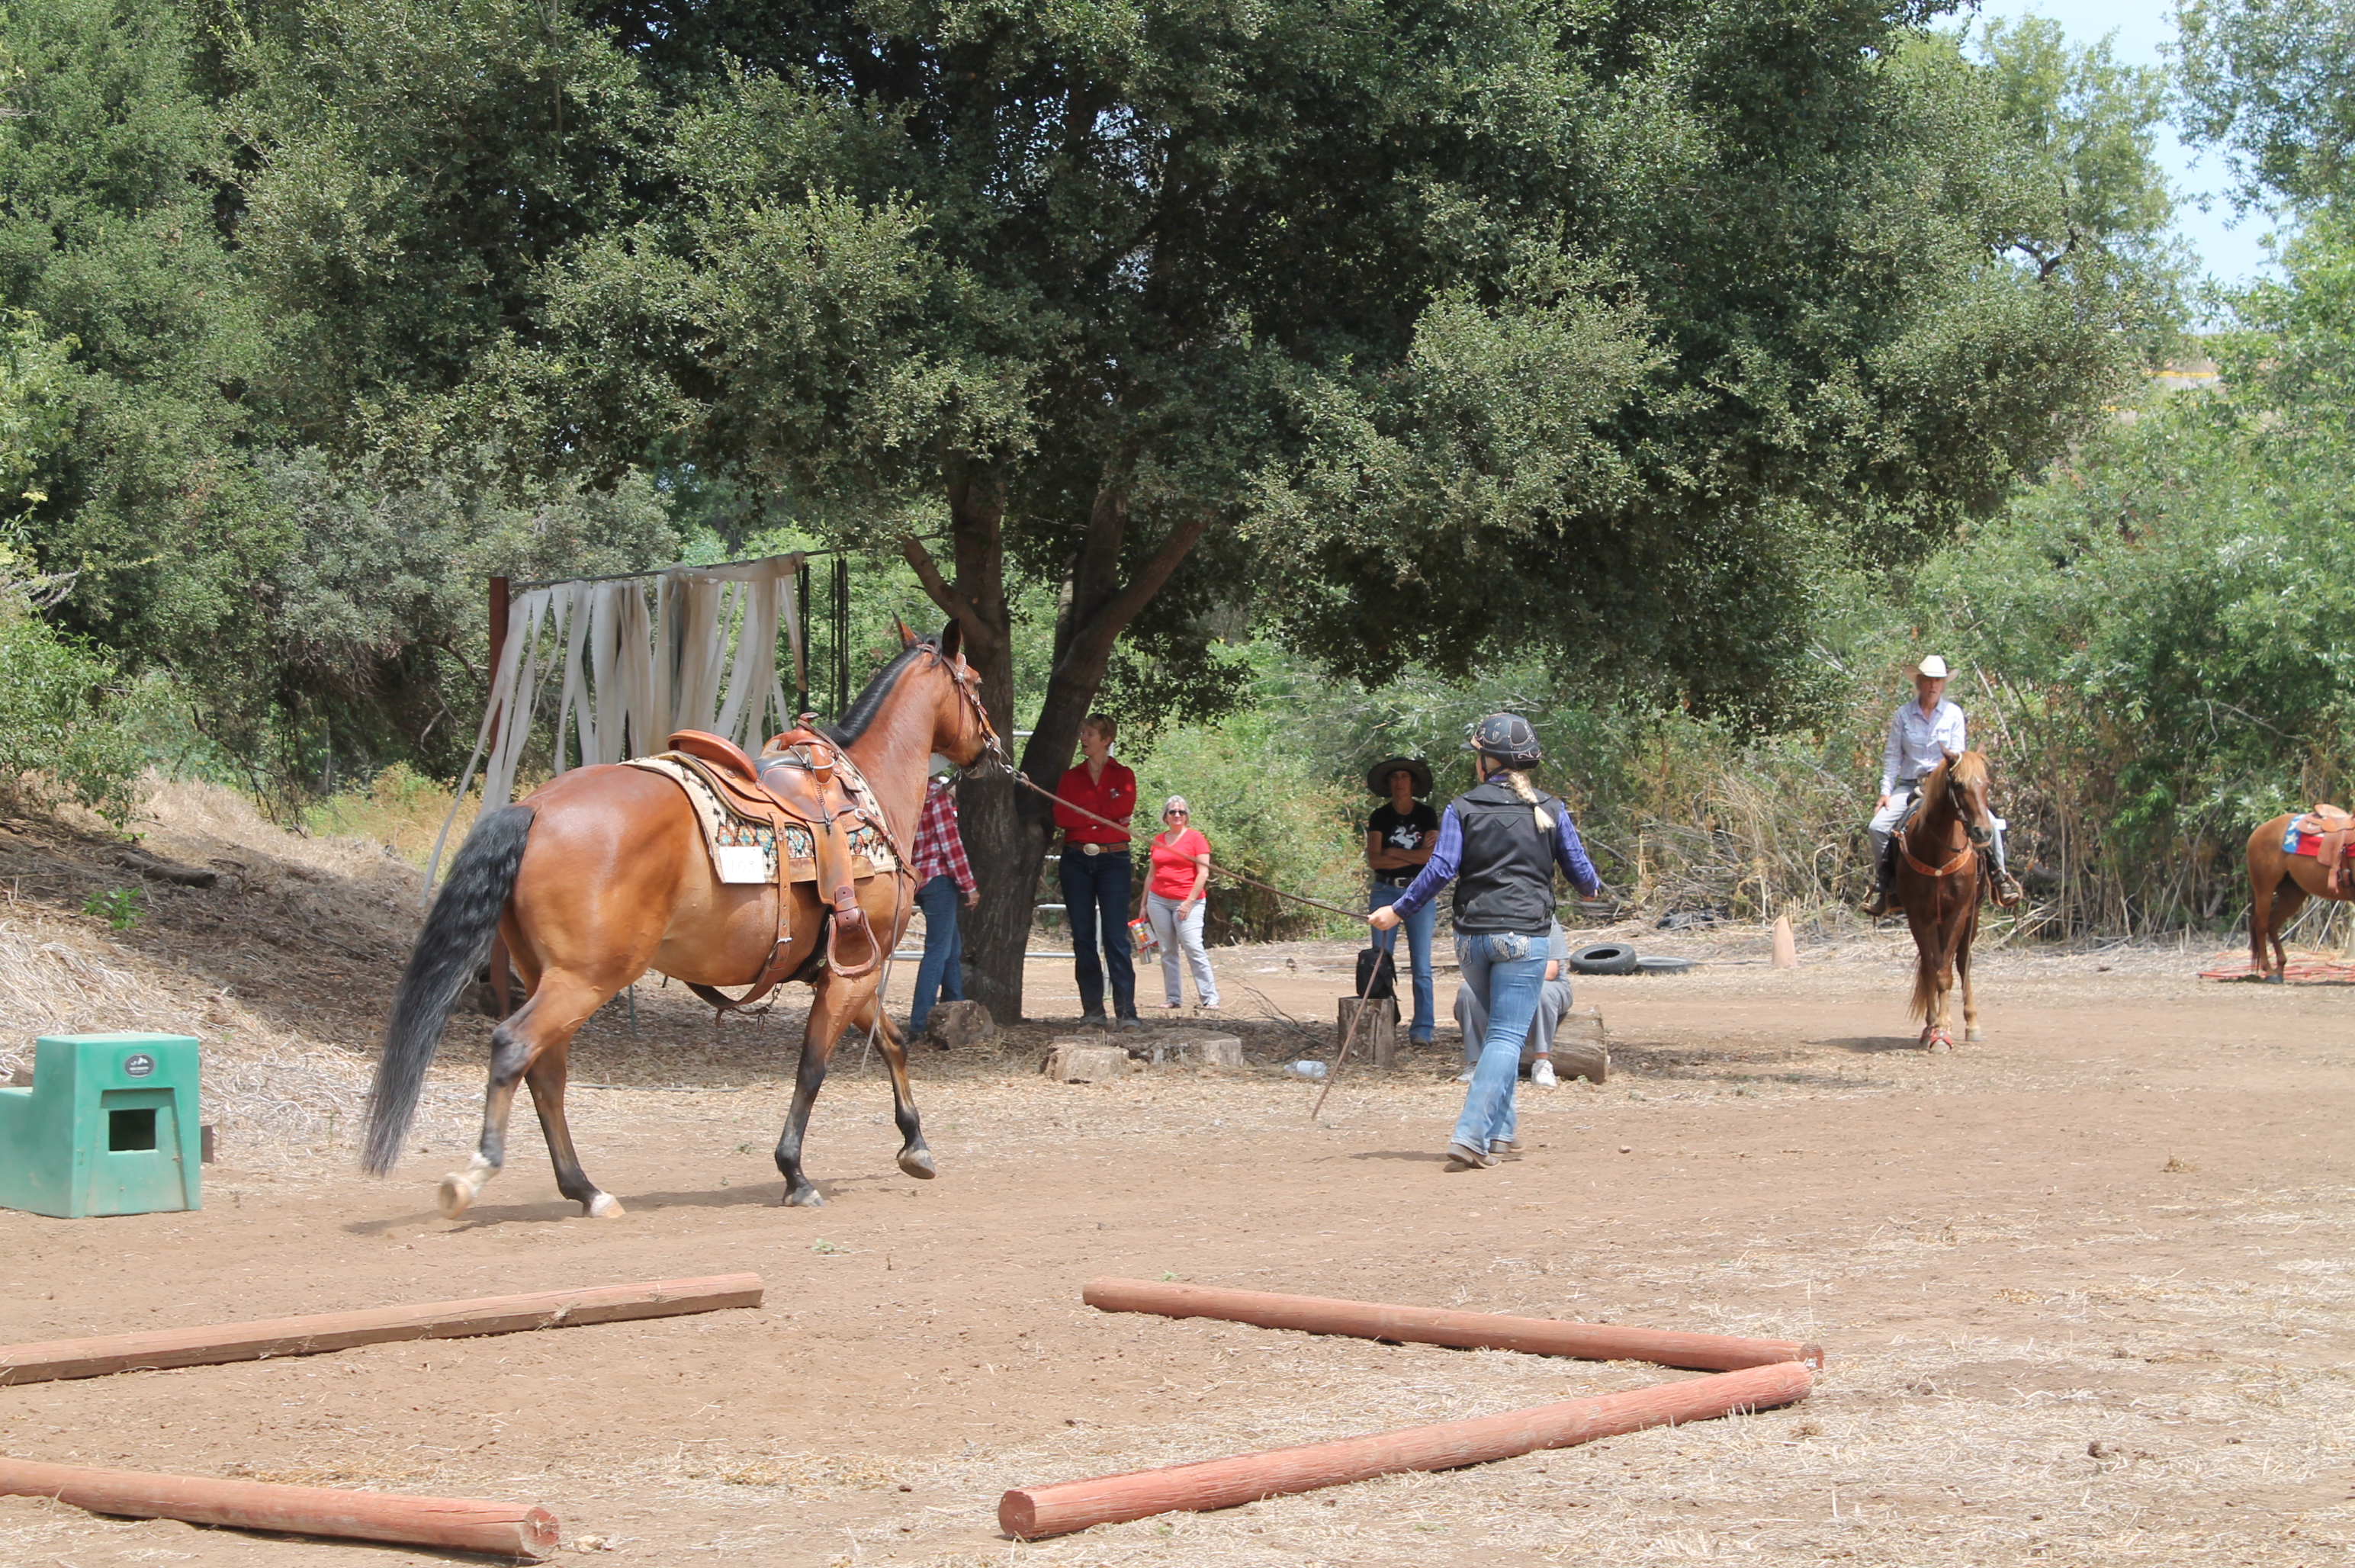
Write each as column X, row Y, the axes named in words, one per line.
column 1096, row 872
column 1173, row 901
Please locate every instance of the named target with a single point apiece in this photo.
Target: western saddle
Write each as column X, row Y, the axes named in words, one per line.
column 2333, row 830
column 803, row 778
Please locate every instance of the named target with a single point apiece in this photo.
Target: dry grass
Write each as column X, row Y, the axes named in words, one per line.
column 280, row 968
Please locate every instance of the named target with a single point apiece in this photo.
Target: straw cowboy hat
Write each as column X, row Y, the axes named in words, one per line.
column 1934, row 666
column 1377, row 777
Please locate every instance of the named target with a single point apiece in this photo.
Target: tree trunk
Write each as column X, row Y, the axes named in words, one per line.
column 1007, row 830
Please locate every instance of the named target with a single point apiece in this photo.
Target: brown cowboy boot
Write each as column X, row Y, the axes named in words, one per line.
column 2005, row 889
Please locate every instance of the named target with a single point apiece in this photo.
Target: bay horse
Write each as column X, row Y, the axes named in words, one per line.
column 1939, row 875
column 2279, row 885
column 603, row 874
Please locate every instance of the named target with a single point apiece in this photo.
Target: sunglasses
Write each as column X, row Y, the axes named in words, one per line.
column 1173, row 812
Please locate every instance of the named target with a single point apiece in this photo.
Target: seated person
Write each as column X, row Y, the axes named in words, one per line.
column 1553, row 1002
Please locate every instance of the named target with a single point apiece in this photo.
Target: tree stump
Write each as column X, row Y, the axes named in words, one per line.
column 1222, row 1051
column 1085, row 1060
column 1581, row 1048
column 1378, row 1036
column 953, row 1024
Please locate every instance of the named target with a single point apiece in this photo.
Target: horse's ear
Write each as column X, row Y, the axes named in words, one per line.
column 907, row 637
column 952, row 641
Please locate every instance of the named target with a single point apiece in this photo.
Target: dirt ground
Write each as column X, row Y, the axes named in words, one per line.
column 2084, row 1286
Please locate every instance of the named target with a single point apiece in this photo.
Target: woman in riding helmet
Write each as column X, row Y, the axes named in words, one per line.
column 1500, row 843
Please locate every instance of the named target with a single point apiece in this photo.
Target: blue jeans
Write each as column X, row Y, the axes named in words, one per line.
column 1417, row 926
column 1095, row 898
column 1508, row 971
column 940, row 975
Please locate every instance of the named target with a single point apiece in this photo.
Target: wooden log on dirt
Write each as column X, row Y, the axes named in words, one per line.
column 1378, row 1036
column 1085, row 1060
column 1433, row 1326
column 1029, row 1512
column 154, row 1349
column 505, row 1529
column 1581, row 1048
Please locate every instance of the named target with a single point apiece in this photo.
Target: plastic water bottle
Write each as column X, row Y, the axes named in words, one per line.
column 1306, row 1069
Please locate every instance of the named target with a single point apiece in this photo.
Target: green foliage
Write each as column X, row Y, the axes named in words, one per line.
column 62, row 730
column 119, row 907
column 2091, row 194
column 2273, row 85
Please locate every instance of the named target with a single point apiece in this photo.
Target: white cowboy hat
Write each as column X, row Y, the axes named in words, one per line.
column 1935, row 668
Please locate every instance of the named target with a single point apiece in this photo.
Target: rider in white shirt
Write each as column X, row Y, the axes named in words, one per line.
column 1920, row 733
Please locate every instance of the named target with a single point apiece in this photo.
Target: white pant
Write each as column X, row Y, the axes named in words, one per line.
column 1890, row 818
column 1173, row 933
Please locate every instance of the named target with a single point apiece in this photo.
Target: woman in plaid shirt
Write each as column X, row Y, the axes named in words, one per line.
column 942, row 872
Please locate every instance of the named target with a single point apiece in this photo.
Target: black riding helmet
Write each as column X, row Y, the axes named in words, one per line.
column 1508, row 738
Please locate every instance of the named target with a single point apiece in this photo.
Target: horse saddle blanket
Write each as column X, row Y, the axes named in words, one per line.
column 2324, row 833
column 756, row 839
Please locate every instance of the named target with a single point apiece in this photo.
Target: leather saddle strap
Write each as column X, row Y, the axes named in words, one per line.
column 839, row 886
column 1948, row 870
column 773, row 972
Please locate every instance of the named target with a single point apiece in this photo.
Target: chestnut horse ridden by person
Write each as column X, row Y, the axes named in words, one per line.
column 2279, row 885
column 603, row 874
column 1940, row 874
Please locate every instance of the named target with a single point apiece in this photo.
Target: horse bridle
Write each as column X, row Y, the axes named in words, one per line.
column 993, row 749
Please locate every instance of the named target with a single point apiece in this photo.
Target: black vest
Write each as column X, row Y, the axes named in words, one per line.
column 1504, row 880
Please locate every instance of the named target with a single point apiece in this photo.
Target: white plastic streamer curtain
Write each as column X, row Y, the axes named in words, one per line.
column 706, row 659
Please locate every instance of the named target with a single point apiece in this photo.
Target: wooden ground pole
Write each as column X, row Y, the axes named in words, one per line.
column 1029, row 1512
column 1465, row 1331
column 156, row 1349
column 505, row 1529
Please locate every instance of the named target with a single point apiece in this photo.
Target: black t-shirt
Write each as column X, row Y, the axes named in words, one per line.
column 1414, row 829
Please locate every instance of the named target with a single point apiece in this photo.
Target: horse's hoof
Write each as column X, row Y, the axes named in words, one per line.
column 604, row 1206
column 1940, row 1047
column 454, row 1196
column 1972, row 1037
column 918, row 1163
column 806, row 1198
column 2276, row 978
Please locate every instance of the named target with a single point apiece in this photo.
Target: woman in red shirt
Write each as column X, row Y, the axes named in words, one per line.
column 1096, row 872
column 1173, row 901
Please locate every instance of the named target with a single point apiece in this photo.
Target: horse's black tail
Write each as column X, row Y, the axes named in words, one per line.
column 456, row 937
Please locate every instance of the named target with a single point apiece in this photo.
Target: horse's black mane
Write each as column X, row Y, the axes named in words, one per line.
column 870, row 702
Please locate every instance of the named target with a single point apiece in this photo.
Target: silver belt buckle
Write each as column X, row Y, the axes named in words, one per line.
column 1090, row 849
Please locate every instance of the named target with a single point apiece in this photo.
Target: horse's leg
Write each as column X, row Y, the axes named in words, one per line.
column 830, row 1009
column 546, row 1076
column 2287, row 900
column 558, row 1004
column 914, row 1158
column 2262, row 882
column 1942, row 1011
column 1962, row 974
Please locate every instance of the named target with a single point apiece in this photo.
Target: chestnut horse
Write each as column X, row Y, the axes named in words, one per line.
column 2279, row 885
column 1939, row 877
column 602, row 874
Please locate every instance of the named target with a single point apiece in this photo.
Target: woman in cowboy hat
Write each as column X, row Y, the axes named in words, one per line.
column 1400, row 835
column 1922, row 732
column 1500, row 843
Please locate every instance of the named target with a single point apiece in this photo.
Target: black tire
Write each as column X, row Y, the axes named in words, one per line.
column 1663, row 965
column 1604, row 958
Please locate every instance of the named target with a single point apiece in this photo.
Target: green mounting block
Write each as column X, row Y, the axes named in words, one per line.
column 108, row 1127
